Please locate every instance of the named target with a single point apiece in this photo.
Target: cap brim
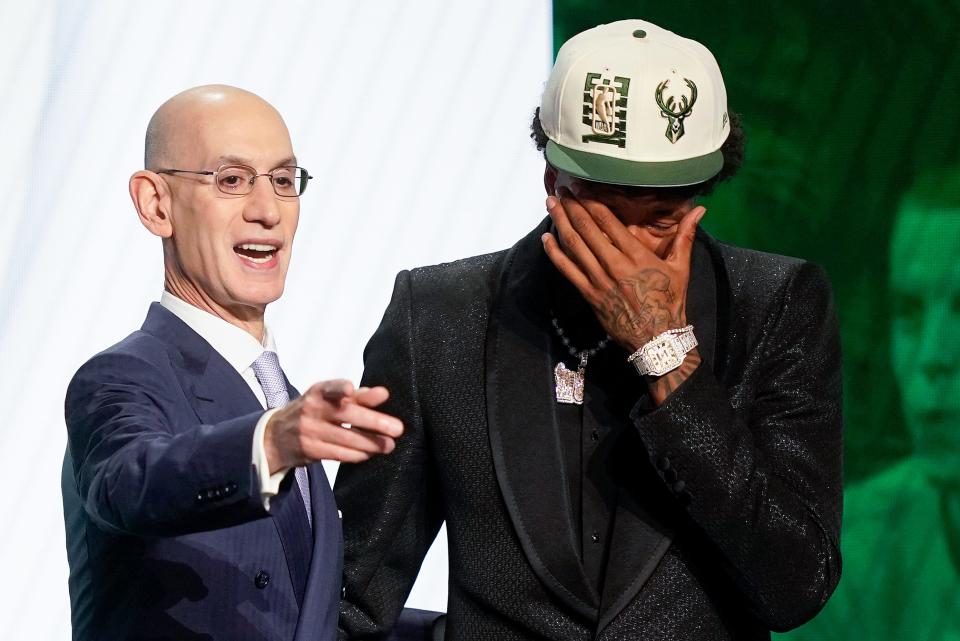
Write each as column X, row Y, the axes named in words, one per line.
column 615, row 171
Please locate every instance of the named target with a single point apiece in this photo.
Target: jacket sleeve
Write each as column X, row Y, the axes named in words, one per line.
column 390, row 504
column 136, row 472
column 762, row 480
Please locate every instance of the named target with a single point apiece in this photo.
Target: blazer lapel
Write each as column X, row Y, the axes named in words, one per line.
column 293, row 528
column 326, row 565
column 215, row 390
column 522, row 425
column 324, row 577
column 641, row 535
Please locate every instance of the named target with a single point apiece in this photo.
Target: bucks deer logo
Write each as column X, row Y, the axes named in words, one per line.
column 675, row 111
column 605, row 109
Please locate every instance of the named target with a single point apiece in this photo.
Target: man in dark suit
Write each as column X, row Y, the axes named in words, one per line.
column 632, row 430
column 194, row 501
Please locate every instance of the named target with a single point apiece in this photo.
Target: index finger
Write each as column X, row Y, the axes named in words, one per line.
column 336, row 390
column 371, row 396
column 364, row 418
column 610, row 225
column 683, row 243
column 582, row 220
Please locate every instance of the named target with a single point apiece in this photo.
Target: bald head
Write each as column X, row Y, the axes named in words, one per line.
column 190, row 116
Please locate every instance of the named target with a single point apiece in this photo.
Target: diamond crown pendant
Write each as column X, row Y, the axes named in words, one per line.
column 568, row 384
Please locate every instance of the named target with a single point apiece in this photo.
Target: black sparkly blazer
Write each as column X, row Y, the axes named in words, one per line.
column 728, row 519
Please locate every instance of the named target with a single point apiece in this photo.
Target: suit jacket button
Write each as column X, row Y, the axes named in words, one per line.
column 261, row 579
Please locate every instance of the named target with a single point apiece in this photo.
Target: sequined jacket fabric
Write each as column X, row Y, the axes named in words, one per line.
column 728, row 516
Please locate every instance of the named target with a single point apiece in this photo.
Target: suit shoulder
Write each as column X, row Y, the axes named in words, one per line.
column 465, row 276
column 751, row 264
column 138, row 356
column 758, row 278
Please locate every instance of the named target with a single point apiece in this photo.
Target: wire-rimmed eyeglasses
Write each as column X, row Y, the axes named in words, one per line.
column 238, row 180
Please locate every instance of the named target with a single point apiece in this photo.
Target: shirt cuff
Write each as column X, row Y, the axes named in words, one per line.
column 269, row 483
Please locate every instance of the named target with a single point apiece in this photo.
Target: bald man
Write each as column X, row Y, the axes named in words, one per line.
column 195, row 504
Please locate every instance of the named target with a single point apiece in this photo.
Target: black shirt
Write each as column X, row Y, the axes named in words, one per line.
column 589, row 433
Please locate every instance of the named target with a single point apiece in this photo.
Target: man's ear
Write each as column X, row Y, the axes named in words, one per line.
column 151, row 197
column 550, row 179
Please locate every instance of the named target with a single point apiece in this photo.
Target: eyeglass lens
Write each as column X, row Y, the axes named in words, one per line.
column 239, row 180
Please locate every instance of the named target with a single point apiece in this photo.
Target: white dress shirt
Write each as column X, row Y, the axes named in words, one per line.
column 240, row 350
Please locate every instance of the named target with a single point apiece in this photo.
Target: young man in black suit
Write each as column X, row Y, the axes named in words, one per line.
column 632, row 430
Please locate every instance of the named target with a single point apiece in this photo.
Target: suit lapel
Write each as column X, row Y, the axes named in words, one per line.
column 522, row 425
column 641, row 535
column 324, row 578
column 293, row 528
column 218, row 393
column 214, row 389
column 326, row 564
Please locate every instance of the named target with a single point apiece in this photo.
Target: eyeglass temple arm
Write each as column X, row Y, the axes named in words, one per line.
column 185, row 171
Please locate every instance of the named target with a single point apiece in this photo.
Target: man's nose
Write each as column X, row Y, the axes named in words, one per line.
column 261, row 203
column 936, row 357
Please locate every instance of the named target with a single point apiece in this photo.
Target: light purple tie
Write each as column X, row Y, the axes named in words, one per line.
column 267, row 369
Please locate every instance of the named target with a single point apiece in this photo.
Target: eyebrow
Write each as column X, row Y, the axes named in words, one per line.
column 238, row 160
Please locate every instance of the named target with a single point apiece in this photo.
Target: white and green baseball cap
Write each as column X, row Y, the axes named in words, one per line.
column 630, row 103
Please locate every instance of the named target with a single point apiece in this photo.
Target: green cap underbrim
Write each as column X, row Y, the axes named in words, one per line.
column 616, row 171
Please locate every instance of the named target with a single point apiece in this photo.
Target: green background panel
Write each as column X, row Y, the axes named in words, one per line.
column 845, row 105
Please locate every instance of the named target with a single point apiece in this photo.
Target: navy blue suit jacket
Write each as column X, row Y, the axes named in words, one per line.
column 167, row 537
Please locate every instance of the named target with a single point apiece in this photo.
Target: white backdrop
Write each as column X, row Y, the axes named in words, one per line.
column 412, row 115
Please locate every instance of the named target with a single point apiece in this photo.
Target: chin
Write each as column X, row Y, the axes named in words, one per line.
column 941, row 469
column 259, row 294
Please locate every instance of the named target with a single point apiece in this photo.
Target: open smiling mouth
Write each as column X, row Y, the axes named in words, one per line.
column 256, row 253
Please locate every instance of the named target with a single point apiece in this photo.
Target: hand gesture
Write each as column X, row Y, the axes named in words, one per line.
column 333, row 421
column 635, row 293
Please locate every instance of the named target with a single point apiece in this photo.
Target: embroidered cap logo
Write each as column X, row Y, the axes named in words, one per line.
column 676, row 115
column 605, row 109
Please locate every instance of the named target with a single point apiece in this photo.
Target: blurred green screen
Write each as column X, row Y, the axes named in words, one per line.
column 852, row 114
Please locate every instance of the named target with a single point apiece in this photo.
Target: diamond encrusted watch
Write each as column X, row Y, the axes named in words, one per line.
column 665, row 352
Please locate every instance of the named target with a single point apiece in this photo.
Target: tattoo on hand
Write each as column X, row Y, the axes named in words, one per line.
column 640, row 307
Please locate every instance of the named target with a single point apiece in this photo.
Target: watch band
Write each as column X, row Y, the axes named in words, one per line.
column 665, row 352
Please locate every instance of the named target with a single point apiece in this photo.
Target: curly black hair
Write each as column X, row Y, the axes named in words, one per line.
column 732, row 150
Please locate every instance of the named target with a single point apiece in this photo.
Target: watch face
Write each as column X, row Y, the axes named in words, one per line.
column 662, row 355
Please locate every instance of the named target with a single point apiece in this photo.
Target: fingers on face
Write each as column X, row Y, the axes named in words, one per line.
column 615, row 231
column 569, row 269
column 582, row 217
column 573, row 244
column 686, row 233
